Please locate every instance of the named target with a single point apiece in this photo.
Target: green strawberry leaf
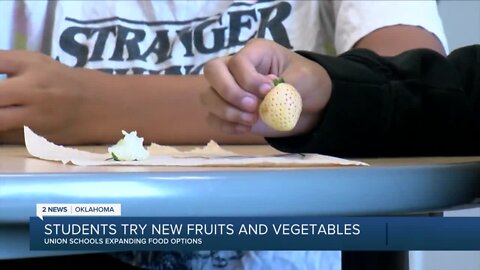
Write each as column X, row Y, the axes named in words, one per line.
column 278, row 81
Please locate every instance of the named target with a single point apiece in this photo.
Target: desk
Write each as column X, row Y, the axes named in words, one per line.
column 388, row 187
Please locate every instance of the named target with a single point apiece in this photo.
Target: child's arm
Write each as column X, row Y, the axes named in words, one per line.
column 417, row 103
column 81, row 106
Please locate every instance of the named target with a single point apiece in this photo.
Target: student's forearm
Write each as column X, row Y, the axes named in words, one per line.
column 410, row 105
column 163, row 109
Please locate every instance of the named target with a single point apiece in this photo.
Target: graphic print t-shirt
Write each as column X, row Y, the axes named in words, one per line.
column 178, row 37
column 167, row 37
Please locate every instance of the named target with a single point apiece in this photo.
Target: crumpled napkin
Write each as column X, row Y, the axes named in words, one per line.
column 210, row 155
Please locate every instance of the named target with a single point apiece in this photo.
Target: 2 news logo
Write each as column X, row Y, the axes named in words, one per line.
column 54, row 209
column 111, row 209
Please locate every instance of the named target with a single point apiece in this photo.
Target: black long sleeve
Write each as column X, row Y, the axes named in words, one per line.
column 418, row 103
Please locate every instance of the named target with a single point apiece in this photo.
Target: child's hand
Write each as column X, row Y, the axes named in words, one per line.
column 41, row 93
column 240, row 82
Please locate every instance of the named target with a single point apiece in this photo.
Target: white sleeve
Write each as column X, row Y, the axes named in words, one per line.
column 356, row 19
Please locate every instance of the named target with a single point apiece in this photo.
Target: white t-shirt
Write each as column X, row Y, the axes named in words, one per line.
column 178, row 37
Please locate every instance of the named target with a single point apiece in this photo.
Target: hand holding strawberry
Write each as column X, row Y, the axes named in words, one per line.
column 243, row 98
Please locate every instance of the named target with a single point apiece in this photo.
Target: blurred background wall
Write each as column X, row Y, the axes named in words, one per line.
column 461, row 20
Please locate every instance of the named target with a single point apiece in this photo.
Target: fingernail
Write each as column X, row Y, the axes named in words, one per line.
column 264, row 88
column 248, row 103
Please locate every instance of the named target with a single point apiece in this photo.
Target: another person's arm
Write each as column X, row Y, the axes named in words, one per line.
column 417, row 103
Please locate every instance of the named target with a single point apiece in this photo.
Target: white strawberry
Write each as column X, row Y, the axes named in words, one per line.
column 281, row 107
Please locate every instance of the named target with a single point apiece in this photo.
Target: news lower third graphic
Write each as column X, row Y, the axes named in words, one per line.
column 102, row 227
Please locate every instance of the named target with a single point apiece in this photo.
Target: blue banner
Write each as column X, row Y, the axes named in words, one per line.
column 254, row 233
